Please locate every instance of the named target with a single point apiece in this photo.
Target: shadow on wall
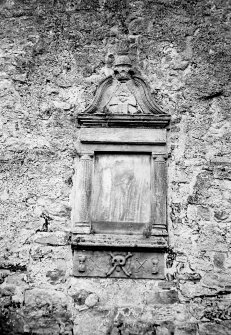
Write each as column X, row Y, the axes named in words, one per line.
column 120, row 328
column 10, row 324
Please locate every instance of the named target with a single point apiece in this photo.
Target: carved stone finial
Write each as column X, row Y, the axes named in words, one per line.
column 123, row 60
column 122, row 68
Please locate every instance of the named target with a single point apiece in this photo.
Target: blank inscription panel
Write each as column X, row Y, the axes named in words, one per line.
column 121, row 193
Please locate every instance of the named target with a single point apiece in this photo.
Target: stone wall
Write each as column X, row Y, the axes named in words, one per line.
column 52, row 55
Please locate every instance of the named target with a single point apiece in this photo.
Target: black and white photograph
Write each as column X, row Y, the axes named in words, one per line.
column 115, row 167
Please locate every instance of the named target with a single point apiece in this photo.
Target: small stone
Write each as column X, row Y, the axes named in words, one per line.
column 162, row 331
column 7, row 291
column 80, row 297
column 4, row 196
column 219, row 259
column 186, row 329
column 221, row 215
column 61, row 105
column 163, row 297
column 203, row 212
column 56, row 238
column 55, row 275
column 91, row 300
column 20, row 77
column 180, row 65
column 166, row 285
column 3, row 275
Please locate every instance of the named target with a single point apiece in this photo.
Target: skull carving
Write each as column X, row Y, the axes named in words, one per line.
column 118, row 262
column 123, row 68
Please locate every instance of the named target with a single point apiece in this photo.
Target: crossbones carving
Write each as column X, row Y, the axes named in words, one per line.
column 119, row 262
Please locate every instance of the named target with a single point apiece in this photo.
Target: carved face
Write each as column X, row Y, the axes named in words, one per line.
column 122, row 72
column 118, row 260
column 82, row 265
column 82, row 259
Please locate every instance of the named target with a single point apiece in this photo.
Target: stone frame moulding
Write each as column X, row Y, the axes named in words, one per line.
column 119, row 200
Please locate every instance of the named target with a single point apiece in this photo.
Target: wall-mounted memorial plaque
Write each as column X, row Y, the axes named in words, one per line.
column 120, row 185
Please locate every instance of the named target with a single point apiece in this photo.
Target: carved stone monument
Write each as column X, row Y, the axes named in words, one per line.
column 119, row 192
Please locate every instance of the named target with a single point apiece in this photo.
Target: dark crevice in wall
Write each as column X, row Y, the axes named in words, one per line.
column 46, row 223
column 13, row 267
column 214, row 95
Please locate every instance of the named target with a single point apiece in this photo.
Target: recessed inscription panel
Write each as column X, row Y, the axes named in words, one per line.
column 121, row 193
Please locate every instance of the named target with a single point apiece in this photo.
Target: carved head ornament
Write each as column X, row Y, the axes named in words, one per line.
column 123, row 68
column 123, row 60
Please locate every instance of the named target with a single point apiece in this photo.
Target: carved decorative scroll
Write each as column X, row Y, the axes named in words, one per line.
column 123, row 93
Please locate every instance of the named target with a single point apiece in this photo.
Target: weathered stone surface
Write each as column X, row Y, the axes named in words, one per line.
column 186, row 329
column 52, row 55
column 49, row 265
column 79, row 297
column 49, row 310
column 214, row 328
column 55, row 239
column 91, row 300
column 164, row 297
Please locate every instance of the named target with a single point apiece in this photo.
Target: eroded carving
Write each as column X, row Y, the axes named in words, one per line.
column 82, row 263
column 155, row 266
column 140, row 264
column 118, row 262
column 123, row 93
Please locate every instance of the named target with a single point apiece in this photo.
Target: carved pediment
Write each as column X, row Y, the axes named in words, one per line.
column 123, row 93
